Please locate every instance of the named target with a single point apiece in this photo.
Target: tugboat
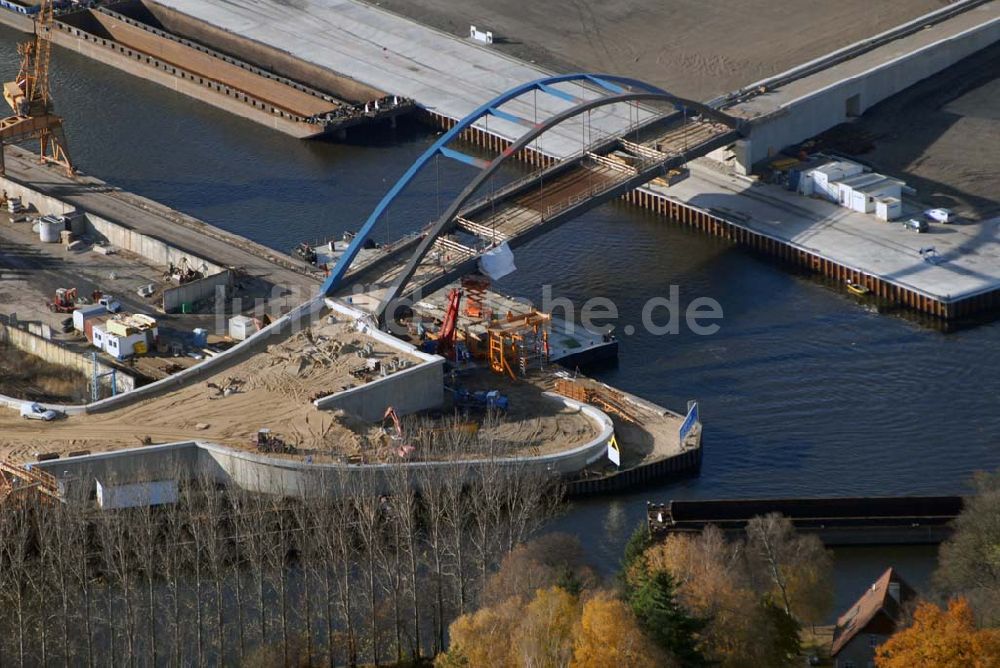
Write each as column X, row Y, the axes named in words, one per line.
column 857, row 288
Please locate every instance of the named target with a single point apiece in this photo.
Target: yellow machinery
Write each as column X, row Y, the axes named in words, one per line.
column 28, row 97
column 519, row 344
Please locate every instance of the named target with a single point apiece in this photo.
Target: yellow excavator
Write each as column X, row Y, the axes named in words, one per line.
column 29, row 99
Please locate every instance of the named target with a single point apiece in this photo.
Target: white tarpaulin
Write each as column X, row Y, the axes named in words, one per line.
column 498, row 262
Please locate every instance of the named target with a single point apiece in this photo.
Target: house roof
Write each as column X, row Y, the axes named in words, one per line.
column 875, row 600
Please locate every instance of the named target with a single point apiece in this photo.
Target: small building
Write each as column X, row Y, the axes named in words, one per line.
column 870, row 621
column 134, row 495
column 822, row 180
column 888, row 208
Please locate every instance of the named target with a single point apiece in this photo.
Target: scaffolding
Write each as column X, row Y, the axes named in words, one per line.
column 520, row 344
column 17, row 482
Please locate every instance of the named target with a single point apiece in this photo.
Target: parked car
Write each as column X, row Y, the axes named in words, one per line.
column 916, row 225
column 34, row 411
column 938, row 215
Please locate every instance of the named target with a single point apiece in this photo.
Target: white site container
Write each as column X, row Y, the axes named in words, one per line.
column 888, row 208
column 100, row 336
column 825, row 177
column 241, row 327
column 123, row 347
column 85, row 313
column 135, row 495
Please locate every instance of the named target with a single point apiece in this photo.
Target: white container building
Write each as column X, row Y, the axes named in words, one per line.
column 85, row 313
column 859, row 193
column 100, row 336
column 123, row 347
column 241, row 327
column 822, row 180
column 888, row 208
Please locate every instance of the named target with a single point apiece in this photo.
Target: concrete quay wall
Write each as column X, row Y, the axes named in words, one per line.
column 189, row 460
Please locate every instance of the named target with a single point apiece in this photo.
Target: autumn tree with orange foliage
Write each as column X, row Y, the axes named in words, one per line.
column 552, row 629
column 943, row 639
column 609, row 635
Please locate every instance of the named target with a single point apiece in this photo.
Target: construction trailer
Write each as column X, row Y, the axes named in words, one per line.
column 822, row 180
column 85, row 313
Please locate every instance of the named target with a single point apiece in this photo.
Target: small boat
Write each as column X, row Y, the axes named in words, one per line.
column 857, row 288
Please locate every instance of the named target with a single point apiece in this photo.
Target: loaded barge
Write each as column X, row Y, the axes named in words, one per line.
column 880, row 520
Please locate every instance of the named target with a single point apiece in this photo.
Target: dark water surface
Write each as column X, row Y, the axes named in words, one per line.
column 803, row 391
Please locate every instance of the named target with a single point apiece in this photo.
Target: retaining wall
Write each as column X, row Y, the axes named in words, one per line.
column 826, row 107
column 270, row 475
column 196, row 291
column 51, row 351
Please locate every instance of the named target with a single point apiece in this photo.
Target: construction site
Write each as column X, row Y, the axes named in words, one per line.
column 355, row 353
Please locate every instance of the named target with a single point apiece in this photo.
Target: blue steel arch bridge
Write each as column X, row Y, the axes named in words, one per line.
column 662, row 133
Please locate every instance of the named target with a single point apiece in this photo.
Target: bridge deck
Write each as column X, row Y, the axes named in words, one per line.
column 548, row 197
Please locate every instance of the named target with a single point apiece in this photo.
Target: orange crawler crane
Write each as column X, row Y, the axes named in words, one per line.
column 520, row 344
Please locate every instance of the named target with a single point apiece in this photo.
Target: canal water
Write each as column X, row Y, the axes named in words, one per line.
column 803, row 390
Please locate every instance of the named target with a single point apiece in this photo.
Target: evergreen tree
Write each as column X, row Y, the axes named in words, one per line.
column 652, row 598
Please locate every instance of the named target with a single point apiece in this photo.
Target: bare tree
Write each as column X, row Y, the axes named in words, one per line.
column 215, row 550
column 14, row 550
column 404, row 519
column 797, row 567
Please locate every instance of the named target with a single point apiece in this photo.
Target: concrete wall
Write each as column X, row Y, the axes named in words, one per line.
column 195, row 291
column 414, row 389
column 51, row 351
column 808, row 116
column 293, row 477
column 151, row 249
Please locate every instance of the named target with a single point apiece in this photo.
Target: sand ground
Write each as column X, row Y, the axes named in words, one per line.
column 275, row 389
column 693, row 48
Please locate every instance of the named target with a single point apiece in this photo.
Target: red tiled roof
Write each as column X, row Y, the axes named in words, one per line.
column 875, row 599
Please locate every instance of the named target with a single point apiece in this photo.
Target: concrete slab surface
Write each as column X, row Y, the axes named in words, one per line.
column 297, row 280
column 968, row 252
column 445, row 74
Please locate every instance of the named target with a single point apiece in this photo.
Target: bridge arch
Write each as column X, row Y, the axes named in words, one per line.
column 617, row 94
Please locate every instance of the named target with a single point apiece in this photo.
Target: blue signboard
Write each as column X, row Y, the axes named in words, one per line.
column 690, row 421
